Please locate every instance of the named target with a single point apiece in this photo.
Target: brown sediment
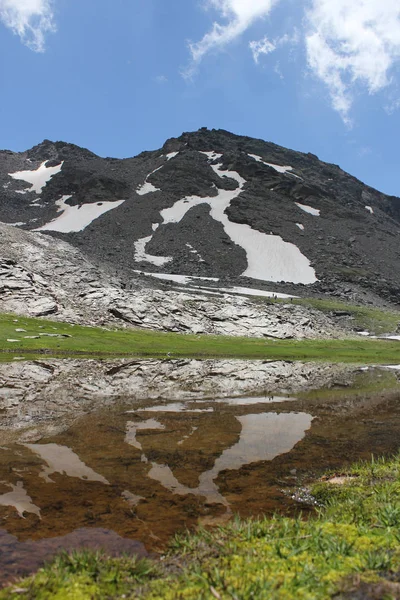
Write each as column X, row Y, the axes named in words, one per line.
column 112, row 485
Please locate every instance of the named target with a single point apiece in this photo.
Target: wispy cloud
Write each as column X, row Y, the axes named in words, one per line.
column 161, row 79
column 266, row 46
column 30, row 19
column 238, row 16
column 351, row 43
column 259, row 47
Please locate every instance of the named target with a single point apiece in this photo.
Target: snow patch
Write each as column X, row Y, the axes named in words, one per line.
column 309, row 209
column 212, row 155
column 39, row 178
column 148, row 187
column 280, row 168
column 269, row 258
column 370, row 209
column 194, row 251
column 249, row 292
column 182, row 279
column 171, row 155
column 300, row 226
column 76, row 218
column 141, row 255
column 189, row 279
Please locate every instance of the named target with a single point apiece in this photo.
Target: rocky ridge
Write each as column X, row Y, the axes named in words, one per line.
column 195, row 206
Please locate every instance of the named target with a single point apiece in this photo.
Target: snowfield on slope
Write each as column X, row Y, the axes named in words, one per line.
column 38, row 178
column 269, row 257
column 76, row 218
column 281, row 169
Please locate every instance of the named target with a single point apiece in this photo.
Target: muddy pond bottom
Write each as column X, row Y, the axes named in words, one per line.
column 126, row 478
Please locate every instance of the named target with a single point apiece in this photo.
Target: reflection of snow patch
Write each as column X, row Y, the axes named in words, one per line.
column 186, row 437
column 175, row 407
column 132, row 499
column 133, row 428
column 263, row 437
column 141, row 255
column 309, row 209
column 76, row 218
column 19, row 499
column 39, row 178
column 249, row 401
column 61, row 459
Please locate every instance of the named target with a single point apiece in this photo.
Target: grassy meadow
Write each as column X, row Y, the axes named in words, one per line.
column 25, row 337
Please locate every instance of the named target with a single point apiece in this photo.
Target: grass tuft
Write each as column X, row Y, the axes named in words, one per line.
column 351, row 545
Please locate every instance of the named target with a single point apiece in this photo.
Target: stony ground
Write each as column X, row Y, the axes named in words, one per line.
column 44, row 276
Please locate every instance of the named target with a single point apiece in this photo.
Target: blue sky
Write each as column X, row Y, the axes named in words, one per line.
column 120, row 77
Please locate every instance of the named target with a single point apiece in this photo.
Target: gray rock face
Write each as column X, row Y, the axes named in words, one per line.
column 44, row 397
column 45, row 276
column 120, row 205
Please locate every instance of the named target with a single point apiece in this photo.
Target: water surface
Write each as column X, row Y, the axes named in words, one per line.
column 127, row 476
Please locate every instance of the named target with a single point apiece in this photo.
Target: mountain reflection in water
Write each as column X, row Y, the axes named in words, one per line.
column 134, row 473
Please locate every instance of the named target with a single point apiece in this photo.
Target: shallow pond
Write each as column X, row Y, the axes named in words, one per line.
column 127, row 476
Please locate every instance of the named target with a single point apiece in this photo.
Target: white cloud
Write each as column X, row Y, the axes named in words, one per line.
column 263, row 46
column 352, row 42
column 239, row 16
column 30, row 19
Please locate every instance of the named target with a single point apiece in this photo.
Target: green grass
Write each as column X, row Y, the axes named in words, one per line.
column 95, row 341
column 352, row 540
column 85, row 575
column 374, row 320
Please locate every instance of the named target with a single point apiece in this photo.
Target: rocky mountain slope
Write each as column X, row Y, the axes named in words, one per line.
column 42, row 276
column 234, row 210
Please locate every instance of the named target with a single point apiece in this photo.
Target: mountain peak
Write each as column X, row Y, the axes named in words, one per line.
column 49, row 150
column 215, row 205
